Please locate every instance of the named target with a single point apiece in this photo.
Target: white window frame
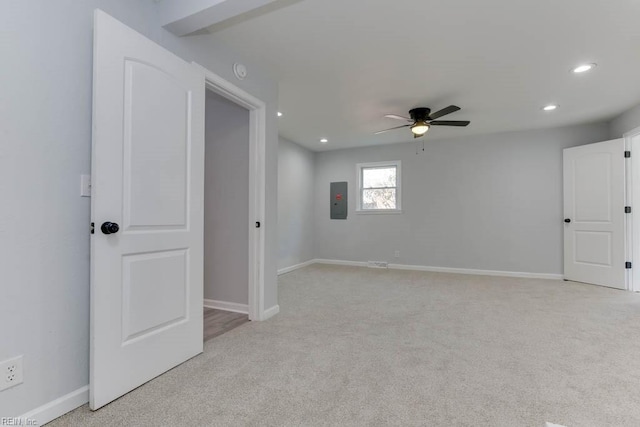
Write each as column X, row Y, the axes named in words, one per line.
column 391, row 163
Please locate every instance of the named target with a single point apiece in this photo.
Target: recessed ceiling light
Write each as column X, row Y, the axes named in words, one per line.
column 583, row 68
column 279, row 114
column 324, row 140
column 550, row 107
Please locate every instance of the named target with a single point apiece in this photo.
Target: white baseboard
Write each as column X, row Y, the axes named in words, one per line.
column 547, row 276
column 56, row 408
column 295, row 267
column 227, row 306
column 477, row 272
column 340, row 262
column 270, row 312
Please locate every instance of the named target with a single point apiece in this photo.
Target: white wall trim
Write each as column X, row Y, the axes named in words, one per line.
column 295, row 267
column 257, row 179
column 227, row 306
column 547, row 276
column 340, row 262
column 632, row 231
column 270, row 312
column 58, row 407
column 526, row 275
column 380, row 212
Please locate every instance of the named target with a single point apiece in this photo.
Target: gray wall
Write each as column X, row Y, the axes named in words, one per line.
column 45, row 123
column 226, row 201
column 491, row 202
column 295, row 204
column 625, row 122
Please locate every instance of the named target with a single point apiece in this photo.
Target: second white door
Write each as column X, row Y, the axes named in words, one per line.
column 594, row 214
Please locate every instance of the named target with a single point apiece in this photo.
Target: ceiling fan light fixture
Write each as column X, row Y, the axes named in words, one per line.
column 420, row 128
column 422, row 119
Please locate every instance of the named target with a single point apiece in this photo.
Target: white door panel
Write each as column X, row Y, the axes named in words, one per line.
column 155, row 156
column 154, row 292
column 593, row 247
column 148, row 177
column 594, row 186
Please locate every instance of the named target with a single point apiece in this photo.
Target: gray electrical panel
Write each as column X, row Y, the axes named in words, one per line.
column 338, row 208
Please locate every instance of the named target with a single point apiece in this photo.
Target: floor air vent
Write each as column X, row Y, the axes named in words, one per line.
column 377, row 264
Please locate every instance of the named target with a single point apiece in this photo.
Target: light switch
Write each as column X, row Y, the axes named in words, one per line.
column 85, row 185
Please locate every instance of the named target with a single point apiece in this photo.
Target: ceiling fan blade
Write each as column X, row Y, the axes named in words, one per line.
column 396, row 117
column 450, row 123
column 448, row 110
column 387, row 130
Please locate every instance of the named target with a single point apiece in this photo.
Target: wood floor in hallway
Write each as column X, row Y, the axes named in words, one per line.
column 217, row 322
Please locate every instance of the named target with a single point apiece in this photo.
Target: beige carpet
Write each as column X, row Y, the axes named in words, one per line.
column 357, row 346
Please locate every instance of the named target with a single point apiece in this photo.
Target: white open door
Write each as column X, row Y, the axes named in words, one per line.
column 594, row 189
column 147, row 206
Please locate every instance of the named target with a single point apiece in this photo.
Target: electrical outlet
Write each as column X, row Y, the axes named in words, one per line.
column 397, row 254
column 10, row 373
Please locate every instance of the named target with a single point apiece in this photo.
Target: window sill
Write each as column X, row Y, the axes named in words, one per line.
column 379, row 212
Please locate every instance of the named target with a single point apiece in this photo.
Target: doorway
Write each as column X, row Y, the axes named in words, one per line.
column 226, row 215
column 632, row 144
column 256, row 184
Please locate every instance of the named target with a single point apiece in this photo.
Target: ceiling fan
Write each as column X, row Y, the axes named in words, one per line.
column 422, row 119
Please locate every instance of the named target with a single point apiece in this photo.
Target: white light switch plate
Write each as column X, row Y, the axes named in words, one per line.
column 85, row 185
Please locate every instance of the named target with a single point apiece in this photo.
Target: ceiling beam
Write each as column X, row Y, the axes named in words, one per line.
column 183, row 17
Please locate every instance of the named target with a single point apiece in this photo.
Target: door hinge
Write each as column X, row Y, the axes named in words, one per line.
column 627, row 209
column 627, row 265
column 627, row 154
column 93, row 227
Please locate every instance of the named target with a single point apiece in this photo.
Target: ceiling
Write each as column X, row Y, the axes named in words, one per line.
column 343, row 64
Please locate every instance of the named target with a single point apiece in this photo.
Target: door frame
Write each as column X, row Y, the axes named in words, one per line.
column 257, row 148
column 632, row 233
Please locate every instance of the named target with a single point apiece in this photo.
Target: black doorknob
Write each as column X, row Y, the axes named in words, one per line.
column 567, row 220
column 110, row 228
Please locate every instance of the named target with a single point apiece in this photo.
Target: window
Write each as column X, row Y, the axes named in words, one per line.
column 379, row 187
